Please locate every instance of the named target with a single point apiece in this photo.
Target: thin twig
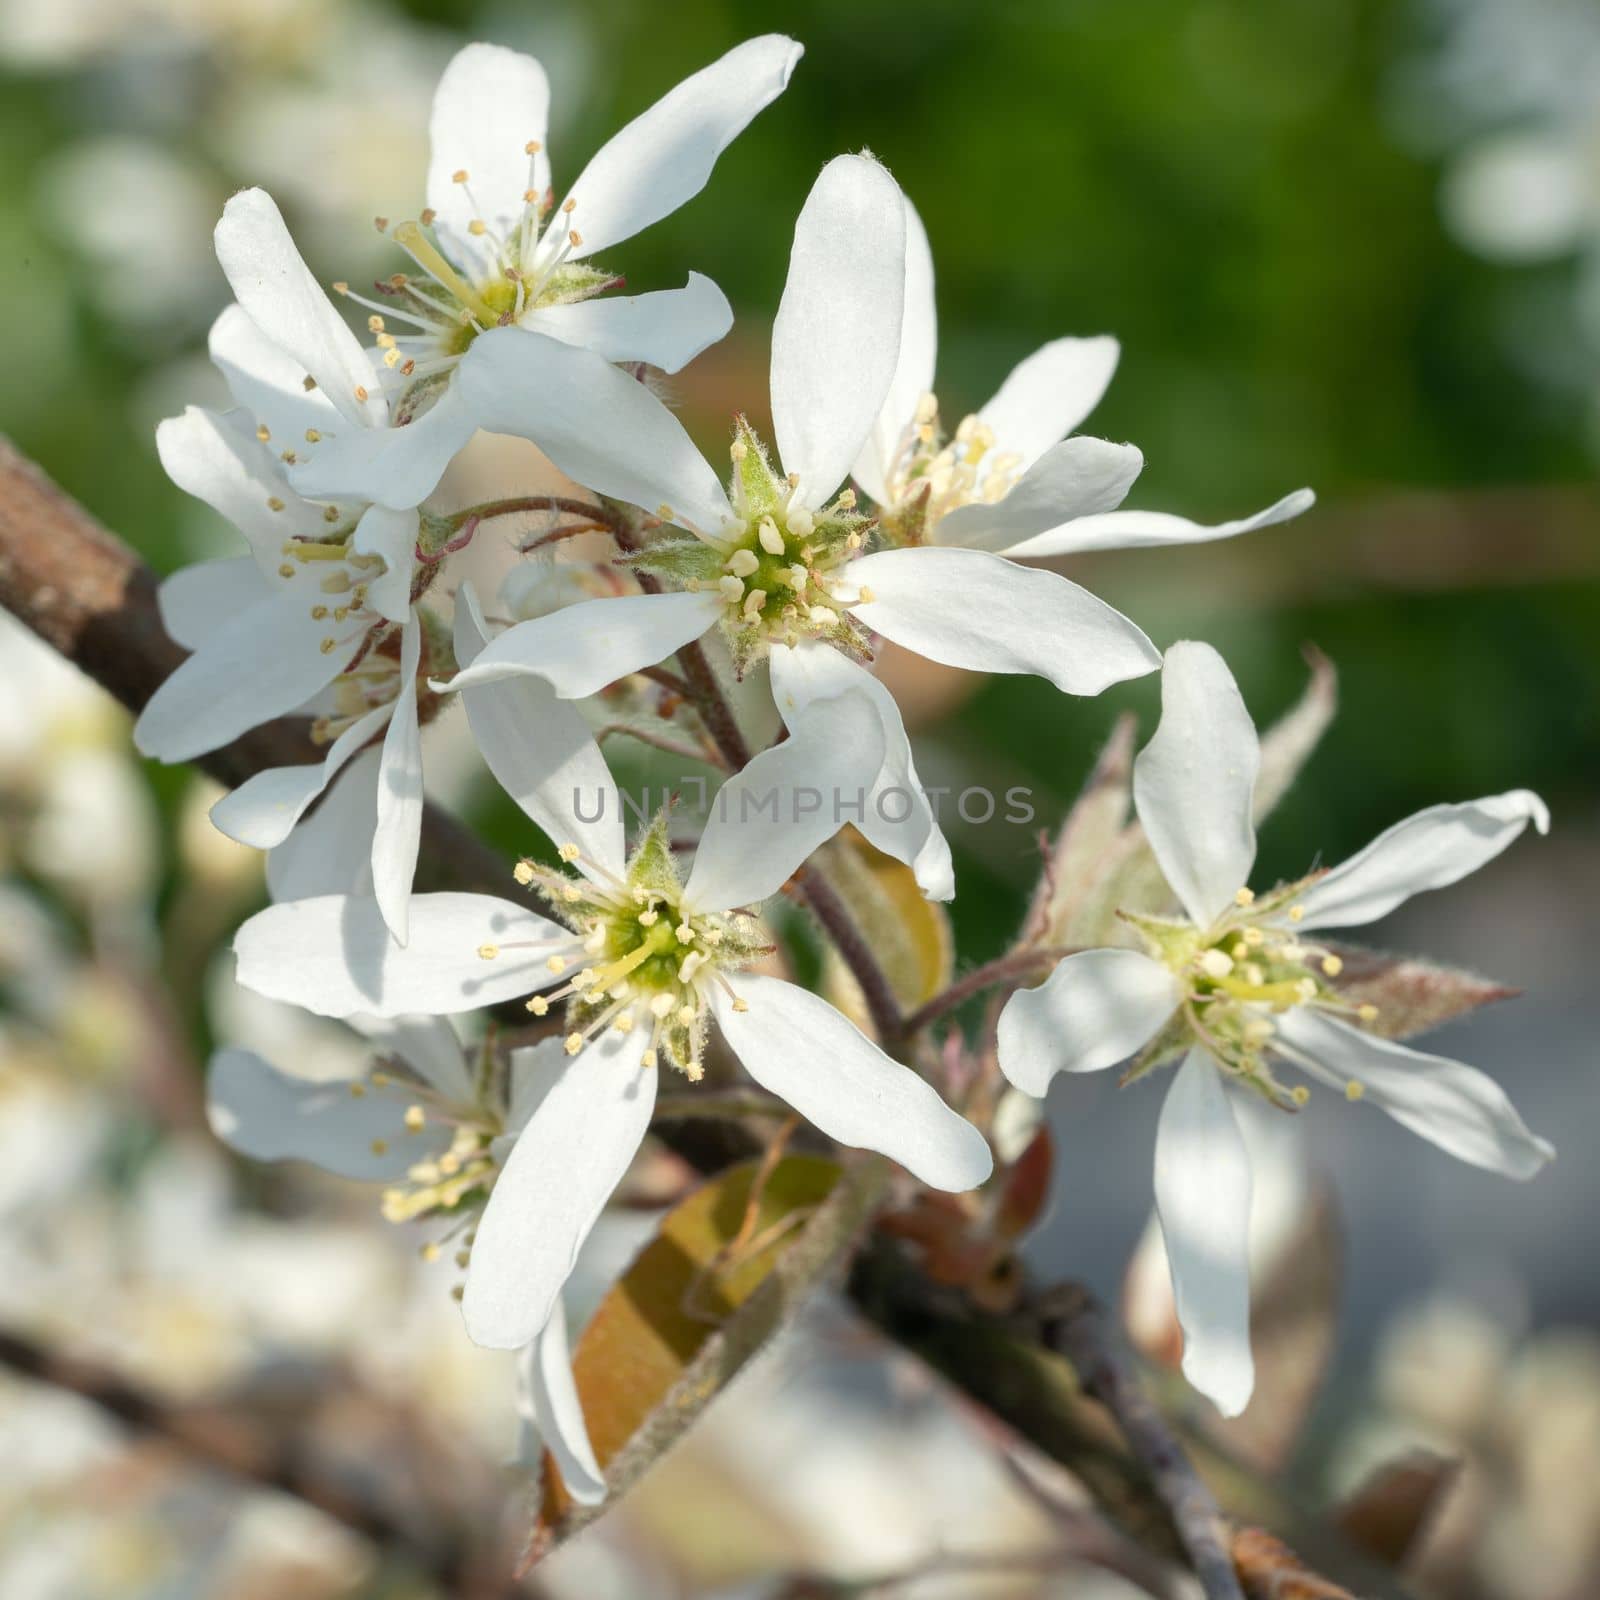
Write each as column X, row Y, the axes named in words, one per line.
column 1017, row 964
column 657, row 741
column 225, row 1441
column 1071, row 1322
column 830, row 910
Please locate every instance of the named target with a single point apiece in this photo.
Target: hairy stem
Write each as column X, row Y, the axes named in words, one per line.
column 1003, row 971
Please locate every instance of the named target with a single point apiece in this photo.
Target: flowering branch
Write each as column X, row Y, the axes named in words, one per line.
column 89, row 596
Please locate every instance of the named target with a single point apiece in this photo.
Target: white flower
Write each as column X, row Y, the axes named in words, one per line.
column 435, row 1127
column 645, row 961
column 1237, row 987
column 779, row 561
column 1008, row 479
column 492, row 250
column 313, row 616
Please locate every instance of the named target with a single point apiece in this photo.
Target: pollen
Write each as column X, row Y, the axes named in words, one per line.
column 274, row 504
column 487, row 952
column 430, row 1252
column 573, row 1043
column 1244, row 897
column 416, row 1119
column 538, row 1005
column 477, row 227
column 1332, row 965
column 532, row 147
column 557, row 964
column 523, row 873
column 1353, row 1091
column 648, row 1059
column 1367, row 1013
column 312, row 436
column 459, row 176
column 286, row 571
column 740, row 1004
column 1300, row 1094
column 1297, row 913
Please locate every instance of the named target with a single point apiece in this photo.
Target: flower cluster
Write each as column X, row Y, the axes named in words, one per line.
column 866, row 519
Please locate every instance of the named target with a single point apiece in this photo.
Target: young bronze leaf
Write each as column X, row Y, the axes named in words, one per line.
column 1289, row 743
column 1412, row 996
column 712, row 1253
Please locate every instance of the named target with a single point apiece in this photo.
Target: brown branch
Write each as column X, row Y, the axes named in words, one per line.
column 1072, row 1323
column 448, row 1553
column 88, row 595
column 1015, row 965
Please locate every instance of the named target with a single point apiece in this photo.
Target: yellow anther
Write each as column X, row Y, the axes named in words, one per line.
column 1306, row 988
column 1216, row 963
column 430, row 1252
column 416, row 1119
column 1254, row 936
column 661, row 1005
column 328, row 646
column 867, row 595
column 538, row 1005
column 357, row 1090
column 381, row 1080
column 574, row 238
column 742, row 563
column 571, row 893
column 648, row 1059
column 1243, row 897
column 573, row 1043
column 801, row 523
column 312, row 436
column 649, row 918
column 1332, row 965
column 263, row 432
column 569, row 852
column 426, row 216
column 330, row 513
column 523, row 873
column 1353, row 1091
column 532, row 147
column 664, row 511
column 686, row 1015
column 380, row 1147
column 308, row 383
column 1367, row 1013
column 362, row 394
column 625, row 1022
column 317, row 612
column 274, row 503
column 771, row 539
column 568, row 205
column 341, row 287
column 477, row 227
column 1240, row 950
column 1300, row 1094
column 459, row 175
column 731, row 588
column 740, row 1005
column 287, row 571
column 381, row 224
column 685, row 933
column 753, row 602
column 487, row 952
column 557, row 964
column 1297, row 913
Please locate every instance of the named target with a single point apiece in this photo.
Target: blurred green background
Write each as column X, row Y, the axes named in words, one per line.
column 1249, row 197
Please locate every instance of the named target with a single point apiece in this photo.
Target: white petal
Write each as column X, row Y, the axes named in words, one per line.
column 1049, row 394
column 330, row 852
column 392, row 535
column 264, row 809
column 333, row 955
column 1096, row 1009
column 1075, row 478
column 428, row 1045
column 580, row 649
column 1463, row 1111
column 1203, row 1201
column 1193, row 782
column 572, row 1154
column 970, row 609
column 491, row 103
column 267, row 382
column 270, row 1116
column 666, row 329
column 545, row 1377
column 1434, row 848
column 602, row 427
column 397, row 467
column 398, row 834
column 542, row 753
column 535, row 1070
column 216, row 457
column 899, row 819
column 277, row 290
column 795, row 1044
column 913, row 374
column 197, row 603
column 664, row 156
column 836, row 338
column 265, row 666
column 1139, row 530
column 768, row 818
